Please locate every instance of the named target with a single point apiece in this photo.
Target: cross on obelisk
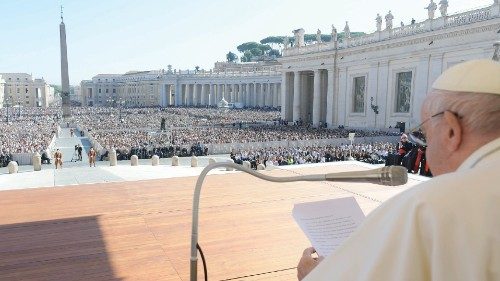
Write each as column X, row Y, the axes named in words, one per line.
column 64, row 70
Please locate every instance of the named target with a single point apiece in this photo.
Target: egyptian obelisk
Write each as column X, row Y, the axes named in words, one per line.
column 64, row 70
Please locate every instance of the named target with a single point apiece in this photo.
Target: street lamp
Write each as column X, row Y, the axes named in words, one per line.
column 18, row 108
column 373, row 106
column 120, row 102
column 7, row 104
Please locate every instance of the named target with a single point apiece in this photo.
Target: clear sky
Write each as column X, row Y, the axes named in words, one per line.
column 115, row 36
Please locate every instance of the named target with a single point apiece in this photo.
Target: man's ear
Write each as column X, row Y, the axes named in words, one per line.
column 453, row 131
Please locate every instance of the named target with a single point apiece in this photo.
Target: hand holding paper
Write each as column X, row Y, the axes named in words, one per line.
column 328, row 223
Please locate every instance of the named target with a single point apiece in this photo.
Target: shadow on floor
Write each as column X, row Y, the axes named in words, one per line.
column 64, row 249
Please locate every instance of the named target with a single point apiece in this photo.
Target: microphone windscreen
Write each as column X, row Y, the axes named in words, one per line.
column 395, row 175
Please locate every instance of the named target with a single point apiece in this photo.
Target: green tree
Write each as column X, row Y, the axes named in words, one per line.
column 247, row 46
column 247, row 56
column 264, row 48
column 256, row 51
column 273, row 40
column 275, row 53
column 231, row 57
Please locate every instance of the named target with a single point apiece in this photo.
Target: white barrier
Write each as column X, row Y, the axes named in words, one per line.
column 175, row 161
column 155, row 160
column 134, row 160
column 194, row 161
column 37, row 162
column 112, row 157
column 13, row 167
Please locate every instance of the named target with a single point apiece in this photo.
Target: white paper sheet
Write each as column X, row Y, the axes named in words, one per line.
column 328, row 223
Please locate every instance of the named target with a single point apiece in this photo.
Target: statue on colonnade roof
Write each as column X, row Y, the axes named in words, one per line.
column 378, row 19
column 388, row 21
column 430, row 9
column 443, row 7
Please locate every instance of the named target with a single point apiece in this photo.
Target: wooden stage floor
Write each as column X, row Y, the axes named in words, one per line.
column 141, row 230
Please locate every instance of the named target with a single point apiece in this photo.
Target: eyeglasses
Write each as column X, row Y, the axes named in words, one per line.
column 418, row 136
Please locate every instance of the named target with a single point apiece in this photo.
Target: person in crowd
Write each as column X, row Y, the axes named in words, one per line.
column 92, row 155
column 404, row 146
column 80, row 149
column 58, row 158
column 446, row 228
column 45, row 157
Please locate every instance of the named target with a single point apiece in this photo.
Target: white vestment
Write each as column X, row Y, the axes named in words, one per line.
column 447, row 228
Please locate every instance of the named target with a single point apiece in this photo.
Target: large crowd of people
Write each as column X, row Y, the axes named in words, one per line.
column 27, row 131
column 165, row 132
column 375, row 153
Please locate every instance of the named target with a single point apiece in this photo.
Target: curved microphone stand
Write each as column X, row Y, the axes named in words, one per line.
column 391, row 176
column 193, row 267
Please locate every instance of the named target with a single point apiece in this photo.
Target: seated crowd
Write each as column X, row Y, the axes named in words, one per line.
column 170, row 131
column 375, row 153
column 30, row 132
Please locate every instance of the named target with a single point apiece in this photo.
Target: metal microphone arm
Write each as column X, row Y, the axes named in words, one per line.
column 386, row 176
column 193, row 267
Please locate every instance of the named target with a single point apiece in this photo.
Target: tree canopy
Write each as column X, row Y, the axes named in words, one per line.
column 231, row 57
column 273, row 40
column 271, row 45
column 247, row 46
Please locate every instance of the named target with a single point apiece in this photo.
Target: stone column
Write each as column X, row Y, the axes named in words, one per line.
column 220, row 93
column 296, row 96
column 196, row 99
column 284, row 107
column 203, row 94
column 212, row 95
column 255, row 95
column 191, row 94
column 330, row 106
column 270, row 95
column 247, row 100
column 265, row 94
column 317, row 98
column 235, row 93
column 275, row 95
column 226, row 92
column 241, row 97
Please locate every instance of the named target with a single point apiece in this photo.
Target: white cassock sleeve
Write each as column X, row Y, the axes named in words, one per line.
column 445, row 229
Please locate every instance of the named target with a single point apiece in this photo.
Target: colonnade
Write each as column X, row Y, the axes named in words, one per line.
column 254, row 94
column 308, row 96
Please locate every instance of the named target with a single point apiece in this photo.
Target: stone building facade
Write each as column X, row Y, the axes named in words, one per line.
column 382, row 78
column 20, row 89
column 246, row 87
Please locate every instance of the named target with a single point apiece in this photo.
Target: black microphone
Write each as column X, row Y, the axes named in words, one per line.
column 390, row 175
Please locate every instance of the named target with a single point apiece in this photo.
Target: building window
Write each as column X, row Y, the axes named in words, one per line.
column 18, row 90
column 114, row 91
column 99, row 91
column 359, row 95
column 403, row 92
column 107, row 91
